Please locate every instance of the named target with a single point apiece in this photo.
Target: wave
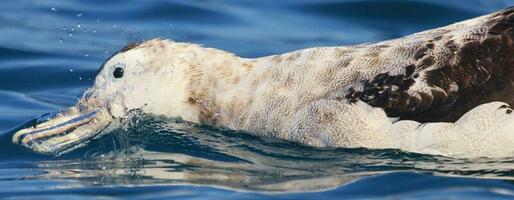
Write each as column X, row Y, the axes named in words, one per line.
column 155, row 150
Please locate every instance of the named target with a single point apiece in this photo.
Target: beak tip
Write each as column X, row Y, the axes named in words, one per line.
column 17, row 135
column 59, row 133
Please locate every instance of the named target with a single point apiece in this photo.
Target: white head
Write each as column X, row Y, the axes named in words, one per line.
column 153, row 76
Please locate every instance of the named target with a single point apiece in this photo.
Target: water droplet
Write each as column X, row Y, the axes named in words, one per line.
column 60, row 40
column 71, row 70
column 87, row 55
column 64, row 28
column 78, row 25
column 79, row 15
column 72, row 29
column 94, row 31
column 53, row 9
column 69, row 34
column 80, row 78
column 106, row 52
column 114, row 26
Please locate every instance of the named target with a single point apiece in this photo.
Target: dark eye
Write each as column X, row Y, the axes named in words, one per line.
column 118, row 72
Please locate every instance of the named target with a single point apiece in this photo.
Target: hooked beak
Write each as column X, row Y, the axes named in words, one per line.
column 56, row 133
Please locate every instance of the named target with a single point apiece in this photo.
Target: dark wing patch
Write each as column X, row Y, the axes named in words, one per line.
column 460, row 73
column 506, row 22
column 386, row 91
column 482, row 68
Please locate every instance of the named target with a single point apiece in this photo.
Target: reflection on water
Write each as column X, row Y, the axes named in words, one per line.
column 153, row 150
column 50, row 51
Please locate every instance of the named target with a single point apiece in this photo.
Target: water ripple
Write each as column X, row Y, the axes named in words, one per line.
column 50, row 51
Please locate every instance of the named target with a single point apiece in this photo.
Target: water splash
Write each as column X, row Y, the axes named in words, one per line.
column 155, row 150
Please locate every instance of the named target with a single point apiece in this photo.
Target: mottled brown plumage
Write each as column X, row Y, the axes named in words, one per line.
column 326, row 96
column 458, row 68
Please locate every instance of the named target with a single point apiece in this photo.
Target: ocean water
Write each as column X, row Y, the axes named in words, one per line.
column 50, row 51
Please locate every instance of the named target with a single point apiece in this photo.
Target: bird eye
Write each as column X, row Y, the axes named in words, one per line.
column 118, row 72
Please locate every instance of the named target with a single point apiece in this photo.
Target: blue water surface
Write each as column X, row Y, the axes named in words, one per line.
column 50, row 51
